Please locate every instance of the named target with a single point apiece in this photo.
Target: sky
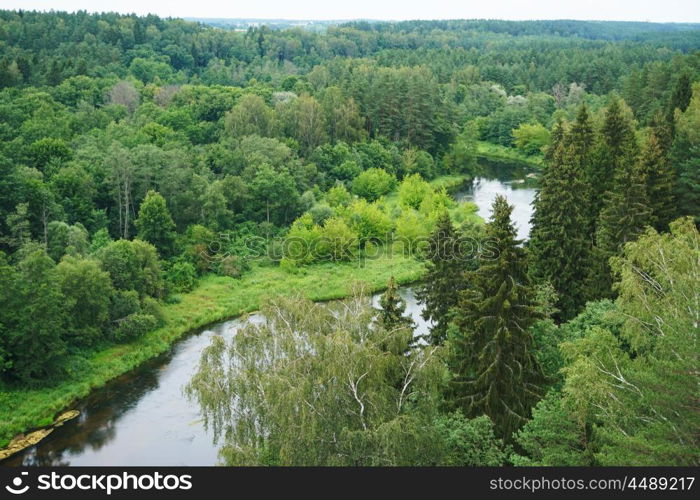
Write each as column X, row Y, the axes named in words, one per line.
column 621, row 10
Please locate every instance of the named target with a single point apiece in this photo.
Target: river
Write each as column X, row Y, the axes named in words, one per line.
column 143, row 418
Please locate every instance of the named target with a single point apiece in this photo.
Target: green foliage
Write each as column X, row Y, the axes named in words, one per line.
column 411, row 232
column 469, row 443
column 413, row 190
column 333, row 359
column 133, row 265
column 462, row 155
column 32, row 319
column 373, row 183
column 446, row 263
column 250, row 116
column 134, row 326
column 685, row 155
column 392, row 311
column 155, row 225
column 338, row 196
column 554, row 436
column 369, row 222
column 97, row 111
column 491, row 348
column 86, row 289
column 559, row 242
column 182, row 276
column 531, row 138
column 660, row 180
column 200, row 247
column 63, row 239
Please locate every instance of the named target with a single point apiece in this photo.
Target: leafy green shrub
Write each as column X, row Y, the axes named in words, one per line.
column 134, row 326
column 337, row 241
column 412, row 191
column 182, row 276
column 373, row 183
column 531, row 138
column 338, row 196
column 369, row 221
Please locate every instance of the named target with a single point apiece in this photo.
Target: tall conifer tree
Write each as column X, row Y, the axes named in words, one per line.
column 445, row 277
column 559, row 239
column 625, row 210
column 495, row 370
column 393, row 307
column 660, row 179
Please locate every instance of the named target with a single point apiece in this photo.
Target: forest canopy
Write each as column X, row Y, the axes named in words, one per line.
column 142, row 156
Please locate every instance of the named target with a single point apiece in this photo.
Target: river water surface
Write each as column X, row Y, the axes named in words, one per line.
column 143, row 418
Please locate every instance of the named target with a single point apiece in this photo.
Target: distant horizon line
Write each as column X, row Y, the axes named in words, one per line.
column 435, row 19
column 328, row 20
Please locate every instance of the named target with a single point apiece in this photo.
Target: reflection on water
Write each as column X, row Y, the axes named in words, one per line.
column 519, row 190
column 143, row 418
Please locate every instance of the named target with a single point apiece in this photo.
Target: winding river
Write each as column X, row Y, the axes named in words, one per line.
column 143, row 418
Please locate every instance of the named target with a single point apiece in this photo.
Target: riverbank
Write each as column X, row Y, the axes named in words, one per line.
column 215, row 299
column 498, row 153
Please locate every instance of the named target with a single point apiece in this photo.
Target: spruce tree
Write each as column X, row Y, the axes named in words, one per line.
column 494, row 369
column 625, row 214
column 398, row 338
column 445, row 278
column 660, row 179
column 559, row 238
column 625, row 204
column 685, row 157
column 393, row 307
column 614, row 141
column 580, row 144
column 681, row 95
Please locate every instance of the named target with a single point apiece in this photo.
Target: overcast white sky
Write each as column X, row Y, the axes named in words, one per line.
column 628, row 10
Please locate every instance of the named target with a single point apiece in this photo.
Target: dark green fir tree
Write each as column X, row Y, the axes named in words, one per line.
column 393, row 308
column 660, row 179
column 445, row 278
column 495, row 371
column 560, row 243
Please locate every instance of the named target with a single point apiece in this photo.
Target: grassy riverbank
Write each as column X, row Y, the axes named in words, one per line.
column 496, row 152
column 215, row 299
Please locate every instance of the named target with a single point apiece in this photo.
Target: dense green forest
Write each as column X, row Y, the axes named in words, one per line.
column 141, row 157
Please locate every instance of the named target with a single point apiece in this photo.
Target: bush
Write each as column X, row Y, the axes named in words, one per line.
column 373, row 183
column 338, row 196
column 436, row 203
column 531, row 138
column 320, row 212
column 337, row 241
column 368, row 221
column 134, row 326
column 301, row 240
column 232, row 266
column 133, row 265
column 200, row 245
column 412, row 191
column 411, row 228
column 182, row 276
column 123, row 303
column 151, row 307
